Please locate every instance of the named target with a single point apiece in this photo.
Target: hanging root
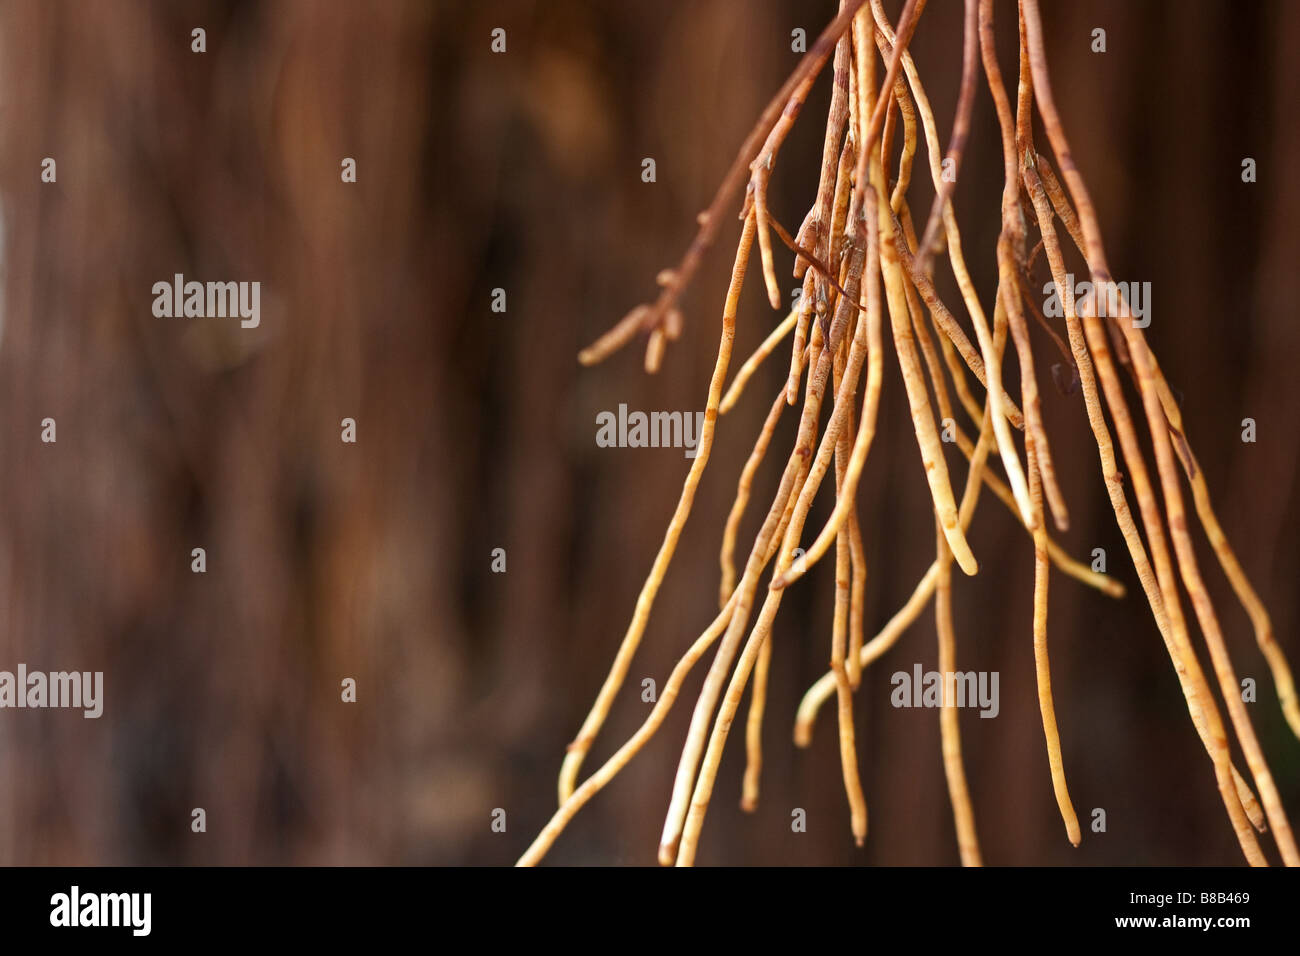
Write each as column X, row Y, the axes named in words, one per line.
column 861, row 264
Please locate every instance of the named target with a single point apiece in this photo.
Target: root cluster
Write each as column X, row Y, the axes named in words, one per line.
column 868, row 278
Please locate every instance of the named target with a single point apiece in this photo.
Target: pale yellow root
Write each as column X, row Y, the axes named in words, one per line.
column 681, row 835
column 1042, row 663
column 843, row 195
column 615, row 338
column 951, row 334
column 761, row 172
column 818, row 694
column 1254, row 607
column 955, row 369
column 765, row 249
column 1010, row 244
column 848, row 746
column 791, row 482
column 821, row 691
column 1248, row 802
column 743, row 488
column 943, row 318
column 825, row 222
column 593, row 784
column 1196, row 691
column 1190, row 573
column 1006, row 447
column 1158, row 582
column 1010, row 295
column 908, row 113
column 936, row 470
column 1163, row 596
column 680, row 847
column 752, row 363
column 870, row 333
column 654, row 351
column 949, row 724
column 902, row 620
column 844, row 586
column 857, row 605
column 799, row 353
column 1246, row 594
column 754, row 731
column 578, row 749
column 685, row 845
column 1037, row 454
column 1063, row 562
column 1201, row 602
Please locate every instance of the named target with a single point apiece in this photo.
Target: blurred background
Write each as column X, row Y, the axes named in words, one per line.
column 475, row 430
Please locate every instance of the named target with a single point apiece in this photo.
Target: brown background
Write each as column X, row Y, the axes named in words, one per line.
column 476, row 430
